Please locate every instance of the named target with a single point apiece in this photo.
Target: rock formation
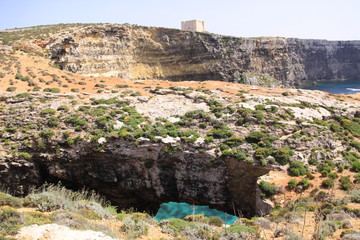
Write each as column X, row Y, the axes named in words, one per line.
column 136, row 52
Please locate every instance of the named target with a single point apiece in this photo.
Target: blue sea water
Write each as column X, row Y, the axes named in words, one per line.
column 180, row 210
column 336, row 87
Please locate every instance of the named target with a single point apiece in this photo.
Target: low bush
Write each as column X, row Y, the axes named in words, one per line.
column 216, row 221
column 56, row 197
column 47, row 111
column 10, row 221
column 297, row 168
column 52, row 90
column 327, row 183
column 11, row 89
column 292, row 183
column 355, row 144
column 355, row 196
column 237, row 228
column 304, row 183
column 47, row 134
column 282, row 155
column 268, row 189
column 134, row 226
column 345, row 182
column 326, row 229
column 351, row 126
column 255, row 137
column 355, row 166
column 8, row 200
column 24, row 155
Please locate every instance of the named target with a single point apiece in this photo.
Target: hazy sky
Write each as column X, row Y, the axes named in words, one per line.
column 318, row 19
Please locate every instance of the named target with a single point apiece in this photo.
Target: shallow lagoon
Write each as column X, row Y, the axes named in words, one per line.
column 180, row 210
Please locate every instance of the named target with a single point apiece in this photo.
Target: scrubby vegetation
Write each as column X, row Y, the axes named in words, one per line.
column 321, row 154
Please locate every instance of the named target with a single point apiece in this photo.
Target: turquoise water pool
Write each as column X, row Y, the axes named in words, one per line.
column 180, row 210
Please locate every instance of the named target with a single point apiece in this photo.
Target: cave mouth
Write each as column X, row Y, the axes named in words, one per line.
column 180, row 210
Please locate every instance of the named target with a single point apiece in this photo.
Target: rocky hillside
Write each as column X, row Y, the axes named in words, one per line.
column 143, row 147
column 137, row 52
column 145, row 142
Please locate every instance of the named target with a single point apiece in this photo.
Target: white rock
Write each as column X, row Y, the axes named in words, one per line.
column 169, row 139
column 118, row 125
column 101, row 140
column 173, row 119
column 58, row 232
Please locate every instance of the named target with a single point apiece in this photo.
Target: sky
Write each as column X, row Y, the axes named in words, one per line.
column 310, row 19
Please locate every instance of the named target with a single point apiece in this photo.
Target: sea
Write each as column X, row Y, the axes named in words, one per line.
column 180, row 210
column 335, row 87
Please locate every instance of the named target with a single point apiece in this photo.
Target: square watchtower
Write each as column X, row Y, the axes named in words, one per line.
column 193, row 25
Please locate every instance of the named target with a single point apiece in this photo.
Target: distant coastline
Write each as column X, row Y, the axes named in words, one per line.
column 333, row 86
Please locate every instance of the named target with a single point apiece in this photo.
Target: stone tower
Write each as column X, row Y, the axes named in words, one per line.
column 193, row 25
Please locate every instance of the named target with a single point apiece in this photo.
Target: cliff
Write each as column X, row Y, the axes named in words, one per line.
column 136, row 52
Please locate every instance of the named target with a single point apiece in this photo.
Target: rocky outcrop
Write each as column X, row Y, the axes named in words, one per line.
column 57, row 232
column 143, row 177
column 206, row 150
column 135, row 52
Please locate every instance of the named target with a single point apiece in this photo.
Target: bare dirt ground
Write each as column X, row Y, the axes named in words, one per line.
column 85, row 84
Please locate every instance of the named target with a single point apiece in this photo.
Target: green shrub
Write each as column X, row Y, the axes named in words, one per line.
column 237, row 228
column 36, row 218
column 345, row 182
column 357, row 178
column 220, row 132
column 351, row 126
column 6, row 199
column 262, row 153
column 297, row 168
column 47, row 111
column 53, row 121
column 121, row 85
column 55, row 197
column 216, row 221
column 75, row 121
column 355, row 144
column 255, row 137
column 24, row 155
column 47, row 134
column 355, row 196
column 233, row 141
column 326, row 229
column 11, row 89
column 327, row 183
column 282, row 155
column 304, row 183
column 24, row 95
column 355, row 166
column 10, row 221
column 134, row 226
column 52, row 90
column 63, row 108
column 176, row 226
column 103, row 121
column 333, row 175
column 267, row 188
column 292, row 183
column 285, row 94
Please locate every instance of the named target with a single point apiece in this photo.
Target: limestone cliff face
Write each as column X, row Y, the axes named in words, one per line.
column 135, row 52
